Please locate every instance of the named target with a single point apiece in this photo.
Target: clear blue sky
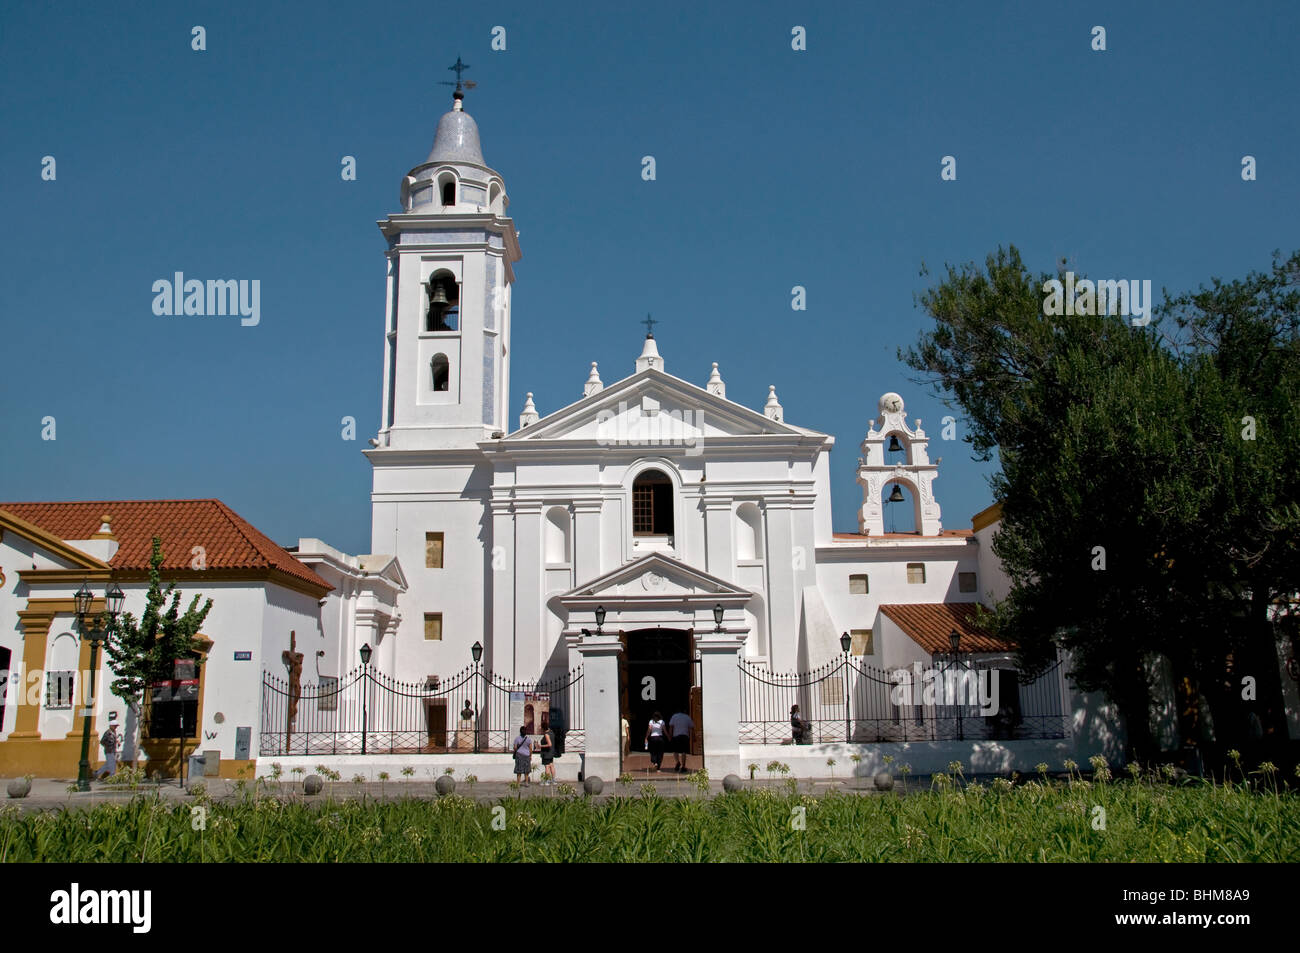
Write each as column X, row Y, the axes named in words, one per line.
column 775, row 168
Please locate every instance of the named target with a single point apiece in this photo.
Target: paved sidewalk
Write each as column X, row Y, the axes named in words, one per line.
column 52, row 794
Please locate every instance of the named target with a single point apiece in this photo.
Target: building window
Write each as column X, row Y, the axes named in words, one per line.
column 441, row 372
column 652, row 505
column 863, row 643
column 327, row 695
column 433, row 627
column 965, row 582
column 58, row 690
column 433, row 550
column 449, row 193
column 444, row 302
column 916, row 572
column 858, row 585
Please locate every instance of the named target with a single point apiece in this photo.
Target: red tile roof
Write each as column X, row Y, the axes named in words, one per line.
column 929, row 624
column 228, row 540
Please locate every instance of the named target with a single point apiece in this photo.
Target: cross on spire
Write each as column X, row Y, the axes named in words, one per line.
column 649, row 323
column 461, row 84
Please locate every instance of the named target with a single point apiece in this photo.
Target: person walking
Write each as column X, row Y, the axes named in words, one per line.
column 656, row 737
column 627, row 736
column 523, row 755
column 546, row 745
column 680, row 727
column 110, row 741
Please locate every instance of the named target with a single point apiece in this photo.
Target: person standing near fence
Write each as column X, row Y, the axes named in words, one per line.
column 523, row 755
column 656, row 737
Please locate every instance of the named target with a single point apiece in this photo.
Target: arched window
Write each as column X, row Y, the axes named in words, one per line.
column 652, row 504
column 444, row 302
column 494, row 198
column 449, row 192
column 441, row 372
column 557, row 536
column 749, row 532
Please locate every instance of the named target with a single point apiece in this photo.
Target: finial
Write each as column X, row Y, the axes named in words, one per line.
column 594, row 385
column 773, row 406
column 715, row 383
column 649, row 323
column 530, row 415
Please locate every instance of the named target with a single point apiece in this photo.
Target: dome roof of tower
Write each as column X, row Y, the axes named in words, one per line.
column 456, row 139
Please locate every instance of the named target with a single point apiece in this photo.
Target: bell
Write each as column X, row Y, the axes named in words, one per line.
column 894, row 445
column 897, row 495
column 438, row 294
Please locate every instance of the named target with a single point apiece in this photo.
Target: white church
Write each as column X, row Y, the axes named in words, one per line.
column 645, row 541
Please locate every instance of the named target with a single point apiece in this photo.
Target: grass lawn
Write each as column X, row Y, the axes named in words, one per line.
column 952, row 821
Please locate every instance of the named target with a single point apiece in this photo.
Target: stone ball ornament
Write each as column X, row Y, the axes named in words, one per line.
column 19, row 787
column 593, row 785
column 313, row 784
column 732, row 783
column 884, row 781
column 445, row 785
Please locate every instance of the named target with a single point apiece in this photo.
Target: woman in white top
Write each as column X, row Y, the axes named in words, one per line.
column 656, row 739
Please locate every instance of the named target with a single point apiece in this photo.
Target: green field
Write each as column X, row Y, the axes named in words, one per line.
column 951, row 821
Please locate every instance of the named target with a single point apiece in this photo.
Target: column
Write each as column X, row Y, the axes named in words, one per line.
column 720, row 681
column 600, row 700
column 586, row 540
column 718, row 535
column 529, row 589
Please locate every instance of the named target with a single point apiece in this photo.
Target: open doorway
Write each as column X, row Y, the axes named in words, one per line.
column 658, row 674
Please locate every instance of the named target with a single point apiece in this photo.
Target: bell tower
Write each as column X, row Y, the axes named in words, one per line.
column 450, row 254
column 888, row 437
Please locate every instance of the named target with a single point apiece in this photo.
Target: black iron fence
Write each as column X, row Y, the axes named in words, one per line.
column 846, row 701
column 370, row 712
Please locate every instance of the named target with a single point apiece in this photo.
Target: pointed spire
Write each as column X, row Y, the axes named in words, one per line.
column 773, row 406
column 649, row 355
column 715, row 384
column 530, row 415
column 594, row 384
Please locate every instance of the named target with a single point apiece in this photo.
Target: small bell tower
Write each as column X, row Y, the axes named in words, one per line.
column 887, row 437
column 450, row 255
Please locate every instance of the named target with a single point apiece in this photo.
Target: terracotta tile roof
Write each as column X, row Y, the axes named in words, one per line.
column 229, row 541
column 864, row 536
column 929, row 623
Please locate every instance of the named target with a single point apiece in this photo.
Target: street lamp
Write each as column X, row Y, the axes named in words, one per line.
column 600, row 619
column 846, row 642
column 365, row 651
column 113, row 598
column 717, row 617
column 476, row 650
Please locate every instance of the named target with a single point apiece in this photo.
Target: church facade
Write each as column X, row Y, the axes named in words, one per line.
column 695, row 524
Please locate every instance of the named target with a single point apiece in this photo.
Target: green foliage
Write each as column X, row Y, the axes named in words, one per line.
column 1128, row 445
column 1033, row 821
column 144, row 652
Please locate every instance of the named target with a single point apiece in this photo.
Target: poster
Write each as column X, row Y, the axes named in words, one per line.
column 532, row 710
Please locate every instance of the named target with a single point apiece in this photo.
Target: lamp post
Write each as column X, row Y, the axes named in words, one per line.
column 365, row 697
column 600, row 620
column 96, row 633
column 846, row 642
column 476, row 650
column 717, row 618
column 954, row 642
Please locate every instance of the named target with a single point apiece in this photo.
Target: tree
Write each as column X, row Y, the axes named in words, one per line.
column 145, row 652
column 1136, row 521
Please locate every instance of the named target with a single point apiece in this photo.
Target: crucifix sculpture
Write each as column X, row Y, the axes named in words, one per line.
column 649, row 323
column 293, row 661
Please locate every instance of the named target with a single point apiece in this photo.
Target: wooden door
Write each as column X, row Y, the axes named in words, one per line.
column 437, row 714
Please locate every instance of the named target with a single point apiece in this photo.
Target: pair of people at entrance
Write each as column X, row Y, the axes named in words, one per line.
column 523, row 748
column 677, row 732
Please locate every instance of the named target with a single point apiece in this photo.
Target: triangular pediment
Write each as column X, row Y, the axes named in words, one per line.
column 658, row 577
column 651, row 407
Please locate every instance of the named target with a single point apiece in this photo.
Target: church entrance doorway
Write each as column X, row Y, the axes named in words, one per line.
column 658, row 673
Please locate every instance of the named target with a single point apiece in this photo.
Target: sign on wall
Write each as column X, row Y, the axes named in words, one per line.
column 532, row 710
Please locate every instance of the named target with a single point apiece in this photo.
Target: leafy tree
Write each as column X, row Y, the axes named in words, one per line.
column 1119, row 447
column 144, row 652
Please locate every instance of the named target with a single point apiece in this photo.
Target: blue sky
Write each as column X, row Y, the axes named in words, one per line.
column 775, row 168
